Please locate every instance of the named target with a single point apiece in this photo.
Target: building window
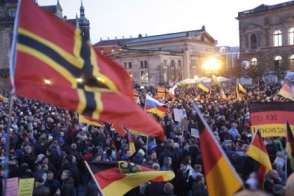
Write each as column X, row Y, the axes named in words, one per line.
column 128, row 65
column 291, row 63
column 143, row 65
column 173, row 71
column 164, row 73
column 12, row 13
column 253, row 41
column 193, row 66
column 179, row 78
column 291, row 36
column 144, row 77
column 253, row 62
column 277, row 38
column 278, row 63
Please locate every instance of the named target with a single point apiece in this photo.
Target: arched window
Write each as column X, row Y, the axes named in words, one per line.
column 291, row 63
column 277, row 38
column 278, row 62
column 291, row 36
column 253, row 41
column 179, row 70
column 254, row 62
column 173, row 71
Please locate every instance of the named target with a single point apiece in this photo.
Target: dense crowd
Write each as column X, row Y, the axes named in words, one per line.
column 50, row 144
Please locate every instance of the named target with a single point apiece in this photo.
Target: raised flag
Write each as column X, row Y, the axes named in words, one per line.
column 4, row 99
column 290, row 145
column 258, row 152
column 215, row 80
column 240, row 88
column 238, row 95
column 221, row 177
column 119, row 129
column 135, row 95
column 117, row 178
column 68, row 72
column 90, row 121
column 161, row 91
column 131, row 143
column 287, row 90
column 155, row 107
column 203, row 86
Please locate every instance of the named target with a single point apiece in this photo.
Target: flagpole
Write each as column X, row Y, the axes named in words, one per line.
column 6, row 167
column 90, row 171
column 147, row 140
column 286, row 155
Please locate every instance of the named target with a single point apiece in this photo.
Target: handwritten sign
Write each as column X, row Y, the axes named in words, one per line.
column 179, row 114
column 195, row 132
column 270, row 118
column 11, row 187
column 26, row 187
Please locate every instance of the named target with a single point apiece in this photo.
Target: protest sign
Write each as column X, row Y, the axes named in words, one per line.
column 179, row 114
column 195, row 133
column 11, row 187
column 26, row 187
column 270, row 118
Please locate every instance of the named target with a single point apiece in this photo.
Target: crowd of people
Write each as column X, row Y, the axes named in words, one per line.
column 49, row 144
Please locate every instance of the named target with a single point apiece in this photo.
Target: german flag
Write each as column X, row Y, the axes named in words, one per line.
column 286, row 90
column 117, row 178
column 221, row 177
column 67, row 71
column 4, row 99
column 290, row 145
column 90, row 121
column 258, row 152
column 119, row 130
column 131, row 143
column 240, row 88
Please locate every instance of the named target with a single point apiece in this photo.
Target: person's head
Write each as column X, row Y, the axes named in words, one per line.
column 168, row 188
column 200, row 180
column 290, row 185
column 281, row 154
column 45, row 167
column 127, row 153
column 65, row 174
column 153, row 155
column 148, row 159
column 73, row 146
column 72, row 158
column 98, row 157
column 183, row 165
column 50, row 175
column 39, row 181
column 156, row 166
column 167, row 161
column 198, row 168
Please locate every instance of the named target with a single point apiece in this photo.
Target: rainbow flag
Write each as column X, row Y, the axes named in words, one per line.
column 221, row 177
column 155, row 107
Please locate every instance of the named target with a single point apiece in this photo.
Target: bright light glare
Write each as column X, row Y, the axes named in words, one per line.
column 80, row 80
column 211, row 64
column 47, row 81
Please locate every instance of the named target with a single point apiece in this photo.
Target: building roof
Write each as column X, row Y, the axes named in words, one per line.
column 113, row 42
column 166, row 36
column 72, row 22
column 50, row 8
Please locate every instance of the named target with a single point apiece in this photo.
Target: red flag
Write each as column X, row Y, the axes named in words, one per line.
column 68, row 72
column 221, row 177
column 119, row 129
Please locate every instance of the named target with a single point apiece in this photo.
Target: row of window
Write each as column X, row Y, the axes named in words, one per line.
column 143, row 65
column 277, row 38
column 278, row 62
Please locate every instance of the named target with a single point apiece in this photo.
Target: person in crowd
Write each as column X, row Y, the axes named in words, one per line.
column 40, row 189
column 199, row 187
column 67, row 187
column 167, row 165
column 168, row 189
column 52, row 183
column 272, row 178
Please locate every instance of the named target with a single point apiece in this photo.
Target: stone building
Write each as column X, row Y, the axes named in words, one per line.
column 7, row 15
column 162, row 59
column 267, row 36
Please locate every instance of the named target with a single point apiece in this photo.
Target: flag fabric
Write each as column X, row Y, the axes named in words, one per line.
column 258, row 152
column 240, row 88
column 90, row 121
column 117, row 178
column 215, row 80
column 221, row 177
column 290, row 145
column 119, row 129
column 155, row 107
column 135, row 95
column 161, row 91
column 287, row 90
column 238, row 95
column 67, row 71
column 112, row 143
column 131, row 143
column 4, row 99
column 203, row 86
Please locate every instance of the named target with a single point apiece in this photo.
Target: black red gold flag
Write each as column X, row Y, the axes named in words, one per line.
column 117, row 178
column 51, row 62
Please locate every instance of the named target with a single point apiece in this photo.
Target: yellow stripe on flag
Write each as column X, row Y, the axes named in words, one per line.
column 222, row 186
column 259, row 156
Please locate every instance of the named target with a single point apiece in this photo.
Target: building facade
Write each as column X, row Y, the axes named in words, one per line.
column 7, row 15
column 266, row 35
column 162, row 59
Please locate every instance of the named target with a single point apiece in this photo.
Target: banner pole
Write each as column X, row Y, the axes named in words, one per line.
column 90, row 171
column 286, row 155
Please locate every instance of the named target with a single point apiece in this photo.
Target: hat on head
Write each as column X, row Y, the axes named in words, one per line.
column 60, row 140
column 44, row 157
column 186, row 148
column 41, row 180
